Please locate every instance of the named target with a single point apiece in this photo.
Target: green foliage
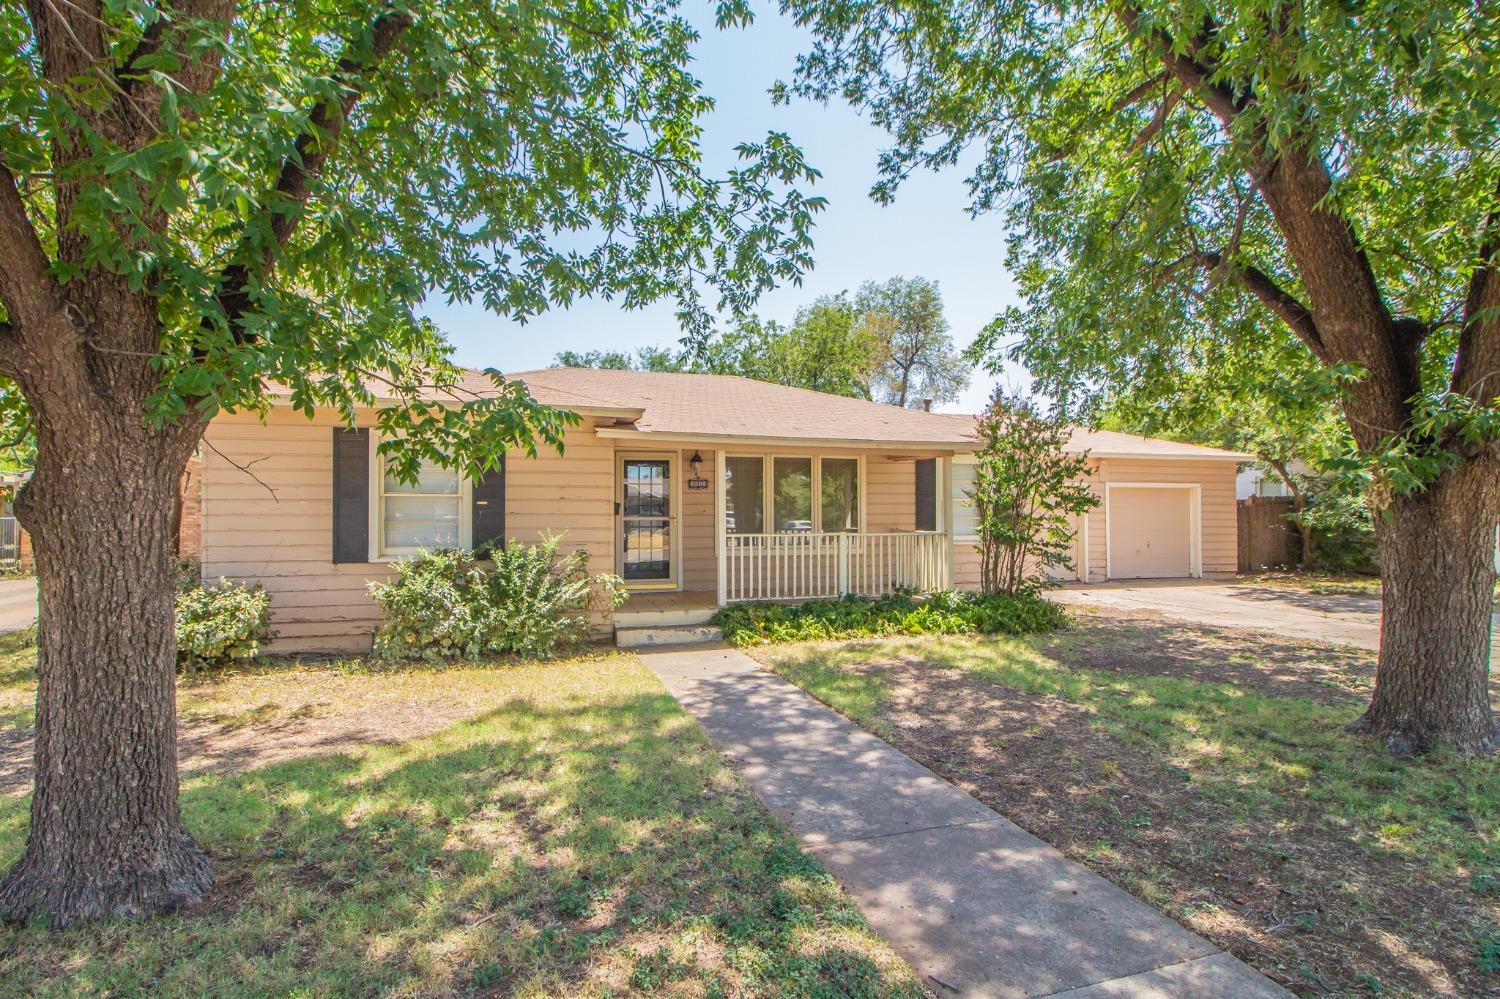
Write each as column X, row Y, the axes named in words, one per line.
column 520, row 156
column 644, row 359
column 1026, row 492
column 917, row 360
column 890, row 342
column 1134, row 193
column 945, row 613
column 829, row 347
column 527, row 601
column 221, row 624
column 1338, row 513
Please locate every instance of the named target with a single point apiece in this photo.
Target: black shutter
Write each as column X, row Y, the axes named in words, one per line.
column 927, row 494
column 488, row 515
column 351, row 494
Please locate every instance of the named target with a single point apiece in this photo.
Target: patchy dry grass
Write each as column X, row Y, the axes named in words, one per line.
column 1207, row 772
column 546, row 830
column 1332, row 584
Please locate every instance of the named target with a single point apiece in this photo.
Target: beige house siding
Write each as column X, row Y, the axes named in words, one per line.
column 1215, row 479
column 1219, row 516
column 699, row 558
column 268, row 514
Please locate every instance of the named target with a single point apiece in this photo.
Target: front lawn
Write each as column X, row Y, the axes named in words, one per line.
column 546, row 830
column 1207, row 772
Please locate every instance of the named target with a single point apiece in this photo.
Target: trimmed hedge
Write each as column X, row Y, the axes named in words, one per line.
column 946, row 613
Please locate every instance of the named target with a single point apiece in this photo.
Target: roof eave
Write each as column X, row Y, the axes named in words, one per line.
column 732, row 440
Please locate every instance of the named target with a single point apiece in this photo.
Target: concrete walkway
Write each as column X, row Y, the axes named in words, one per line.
column 975, row 904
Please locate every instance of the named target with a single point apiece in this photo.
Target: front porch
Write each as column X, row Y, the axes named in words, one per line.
column 698, row 529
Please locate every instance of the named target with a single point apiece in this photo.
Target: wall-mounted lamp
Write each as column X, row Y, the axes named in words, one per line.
column 696, row 461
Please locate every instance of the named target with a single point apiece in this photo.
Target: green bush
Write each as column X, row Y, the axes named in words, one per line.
column 218, row 625
column 946, row 613
column 527, row 601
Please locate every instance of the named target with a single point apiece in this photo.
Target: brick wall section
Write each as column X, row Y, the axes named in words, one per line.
column 190, row 520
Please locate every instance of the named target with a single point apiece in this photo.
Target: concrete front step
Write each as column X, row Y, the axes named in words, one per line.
column 667, row 617
column 681, row 634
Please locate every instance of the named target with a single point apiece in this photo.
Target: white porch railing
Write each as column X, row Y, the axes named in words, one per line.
column 831, row 564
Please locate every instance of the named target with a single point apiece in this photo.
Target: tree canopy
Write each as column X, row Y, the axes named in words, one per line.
column 1242, row 179
column 919, row 362
column 281, row 190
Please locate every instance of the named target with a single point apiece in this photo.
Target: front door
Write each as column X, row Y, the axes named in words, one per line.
column 647, row 522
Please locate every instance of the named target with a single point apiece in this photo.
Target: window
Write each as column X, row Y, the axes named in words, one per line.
column 744, row 495
column 792, row 494
column 838, row 494
column 926, row 494
column 426, row 514
column 965, row 516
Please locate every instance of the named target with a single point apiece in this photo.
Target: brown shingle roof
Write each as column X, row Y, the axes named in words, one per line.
column 732, row 406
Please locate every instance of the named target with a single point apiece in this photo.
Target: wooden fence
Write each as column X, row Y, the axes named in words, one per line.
column 1267, row 539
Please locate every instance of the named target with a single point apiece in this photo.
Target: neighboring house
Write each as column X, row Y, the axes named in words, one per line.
column 1256, row 481
column 700, row 490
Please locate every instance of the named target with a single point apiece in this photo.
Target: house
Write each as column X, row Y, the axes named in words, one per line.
column 699, row 490
column 1254, row 480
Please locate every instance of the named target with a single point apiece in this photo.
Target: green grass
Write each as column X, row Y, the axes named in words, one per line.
column 577, row 837
column 1251, row 750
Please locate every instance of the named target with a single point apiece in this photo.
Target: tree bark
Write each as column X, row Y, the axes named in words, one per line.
column 106, row 836
column 1437, row 559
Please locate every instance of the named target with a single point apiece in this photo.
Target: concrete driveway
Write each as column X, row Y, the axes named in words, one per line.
column 1342, row 619
column 17, row 604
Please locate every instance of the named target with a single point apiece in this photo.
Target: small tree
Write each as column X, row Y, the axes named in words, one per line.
column 1026, row 490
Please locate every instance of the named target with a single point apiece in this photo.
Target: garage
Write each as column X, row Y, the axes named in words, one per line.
column 1153, row 531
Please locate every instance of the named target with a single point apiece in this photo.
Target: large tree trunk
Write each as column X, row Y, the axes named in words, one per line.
column 1437, row 559
column 106, row 837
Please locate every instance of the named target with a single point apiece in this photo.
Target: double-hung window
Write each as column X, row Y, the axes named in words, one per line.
column 422, row 515
column 792, row 494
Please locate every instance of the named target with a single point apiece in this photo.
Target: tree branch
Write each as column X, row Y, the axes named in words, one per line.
column 302, row 167
column 1274, row 297
column 1478, row 360
column 196, row 74
column 26, row 285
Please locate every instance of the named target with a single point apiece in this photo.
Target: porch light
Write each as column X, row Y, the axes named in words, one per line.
column 696, row 461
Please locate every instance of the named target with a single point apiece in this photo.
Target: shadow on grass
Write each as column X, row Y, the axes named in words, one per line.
column 554, row 845
column 1252, row 817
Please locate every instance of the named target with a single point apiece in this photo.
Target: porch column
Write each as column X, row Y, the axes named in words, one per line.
column 720, row 514
column 945, row 503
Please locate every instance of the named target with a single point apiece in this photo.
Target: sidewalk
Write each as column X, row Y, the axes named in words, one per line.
column 976, row 905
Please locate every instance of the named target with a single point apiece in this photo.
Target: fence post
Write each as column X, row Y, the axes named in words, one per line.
column 843, row 557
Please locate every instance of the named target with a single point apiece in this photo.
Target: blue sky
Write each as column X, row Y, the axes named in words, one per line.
column 927, row 232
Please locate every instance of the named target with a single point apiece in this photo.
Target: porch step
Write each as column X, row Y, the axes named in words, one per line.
column 662, row 617
column 679, row 634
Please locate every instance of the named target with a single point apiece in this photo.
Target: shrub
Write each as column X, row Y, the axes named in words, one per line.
column 526, row 601
column 946, row 613
column 217, row 625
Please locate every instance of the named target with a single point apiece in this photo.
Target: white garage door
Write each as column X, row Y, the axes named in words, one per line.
column 1150, row 533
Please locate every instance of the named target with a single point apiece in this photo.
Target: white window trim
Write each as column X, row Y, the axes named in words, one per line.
column 378, row 552
column 768, row 487
column 1195, row 523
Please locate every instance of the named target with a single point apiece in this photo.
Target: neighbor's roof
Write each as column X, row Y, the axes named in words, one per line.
column 673, row 404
